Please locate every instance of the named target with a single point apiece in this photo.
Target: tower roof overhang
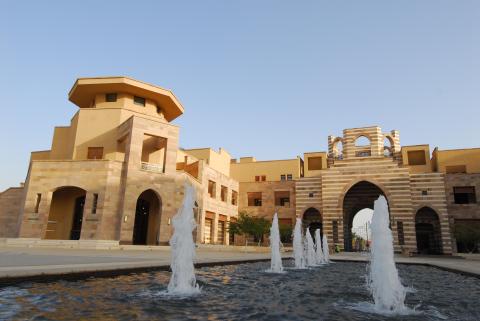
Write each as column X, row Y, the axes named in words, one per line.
column 85, row 89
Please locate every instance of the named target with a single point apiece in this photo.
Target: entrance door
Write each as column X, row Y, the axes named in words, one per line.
column 425, row 238
column 207, row 232
column 77, row 218
column 221, row 232
column 140, row 227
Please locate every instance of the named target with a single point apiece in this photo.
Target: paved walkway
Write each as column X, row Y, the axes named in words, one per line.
column 23, row 263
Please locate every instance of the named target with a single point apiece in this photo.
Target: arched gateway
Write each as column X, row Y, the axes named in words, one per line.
column 360, row 196
column 66, row 214
column 146, row 229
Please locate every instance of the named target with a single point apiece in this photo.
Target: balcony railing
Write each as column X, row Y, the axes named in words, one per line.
column 158, row 168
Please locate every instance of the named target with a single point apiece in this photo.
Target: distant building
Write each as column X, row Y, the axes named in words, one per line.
column 116, row 176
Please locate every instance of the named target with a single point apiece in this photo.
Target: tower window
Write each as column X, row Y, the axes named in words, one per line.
column 111, row 97
column 139, row 101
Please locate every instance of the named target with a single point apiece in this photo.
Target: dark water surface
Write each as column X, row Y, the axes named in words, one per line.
column 243, row 292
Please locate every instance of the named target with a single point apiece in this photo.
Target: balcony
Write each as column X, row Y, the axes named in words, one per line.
column 151, row 167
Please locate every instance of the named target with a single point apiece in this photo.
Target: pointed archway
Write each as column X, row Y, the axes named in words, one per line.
column 312, row 220
column 360, row 196
column 146, row 228
column 427, row 231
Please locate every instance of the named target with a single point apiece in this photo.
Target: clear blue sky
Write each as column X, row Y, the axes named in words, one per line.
column 271, row 79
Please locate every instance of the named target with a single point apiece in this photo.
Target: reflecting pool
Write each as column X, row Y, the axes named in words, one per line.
column 244, row 292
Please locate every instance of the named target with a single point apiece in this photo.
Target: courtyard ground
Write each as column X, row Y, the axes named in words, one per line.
column 23, row 263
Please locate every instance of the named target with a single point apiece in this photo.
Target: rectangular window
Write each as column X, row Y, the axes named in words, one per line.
column 335, row 231
column 464, row 195
column 416, row 157
column 456, row 169
column 289, row 177
column 401, row 236
column 254, row 199
column 212, row 189
column 257, row 178
column 37, row 202
column 94, row 203
column 264, row 178
column 223, row 193
column 234, row 197
column 207, row 231
column 95, row 153
column 314, row 163
column 139, row 101
column 282, row 198
column 282, row 177
column 111, row 97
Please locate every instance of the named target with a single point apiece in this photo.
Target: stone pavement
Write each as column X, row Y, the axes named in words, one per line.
column 18, row 264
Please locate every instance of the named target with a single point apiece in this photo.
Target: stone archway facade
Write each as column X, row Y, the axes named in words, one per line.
column 403, row 188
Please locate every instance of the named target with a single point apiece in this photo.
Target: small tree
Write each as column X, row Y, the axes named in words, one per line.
column 242, row 226
column 468, row 236
column 249, row 225
column 261, row 226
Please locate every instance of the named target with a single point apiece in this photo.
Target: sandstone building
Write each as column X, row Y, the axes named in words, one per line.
column 116, row 175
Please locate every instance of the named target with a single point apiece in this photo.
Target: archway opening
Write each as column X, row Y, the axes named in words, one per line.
column 312, row 220
column 359, row 197
column 338, row 149
column 146, row 229
column 361, row 235
column 387, row 146
column 427, row 230
column 66, row 214
column 362, row 141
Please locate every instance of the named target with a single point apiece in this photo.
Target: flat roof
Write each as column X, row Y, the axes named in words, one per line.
column 85, row 89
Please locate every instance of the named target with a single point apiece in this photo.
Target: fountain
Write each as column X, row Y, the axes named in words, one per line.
column 182, row 280
column 383, row 281
column 326, row 252
column 311, row 260
column 276, row 259
column 318, row 248
column 298, row 249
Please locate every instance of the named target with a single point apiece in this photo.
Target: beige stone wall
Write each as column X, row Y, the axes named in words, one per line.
column 268, row 208
column 248, row 168
column 216, row 205
column 459, row 212
column 433, row 184
column 97, row 176
column 462, row 211
column 138, row 177
column 10, row 208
